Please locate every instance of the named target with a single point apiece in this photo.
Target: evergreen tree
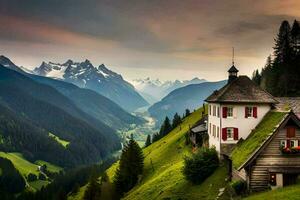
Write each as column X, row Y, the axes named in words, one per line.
column 295, row 34
column 187, row 112
column 256, row 77
column 93, row 191
column 130, row 167
column 176, row 120
column 148, row 141
column 282, row 49
column 165, row 128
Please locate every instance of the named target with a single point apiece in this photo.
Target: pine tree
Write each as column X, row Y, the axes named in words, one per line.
column 176, row 120
column 130, row 167
column 256, row 77
column 295, row 34
column 148, row 141
column 282, row 49
column 93, row 191
column 187, row 112
column 165, row 128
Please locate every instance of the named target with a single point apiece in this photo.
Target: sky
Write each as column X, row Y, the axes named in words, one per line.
column 165, row 39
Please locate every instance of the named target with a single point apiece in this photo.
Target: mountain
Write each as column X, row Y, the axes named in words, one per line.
column 99, row 79
column 155, row 90
column 30, row 111
column 89, row 101
column 191, row 97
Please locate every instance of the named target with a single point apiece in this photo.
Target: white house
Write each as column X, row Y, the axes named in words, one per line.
column 234, row 110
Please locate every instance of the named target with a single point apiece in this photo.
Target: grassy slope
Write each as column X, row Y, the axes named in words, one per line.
column 288, row 193
column 242, row 152
column 25, row 167
column 60, row 141
column 165, row 179
column 50, row 167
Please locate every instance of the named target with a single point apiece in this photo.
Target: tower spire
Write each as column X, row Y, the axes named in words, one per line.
column 232, row 55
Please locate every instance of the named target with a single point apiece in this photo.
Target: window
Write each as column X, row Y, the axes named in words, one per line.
column 272, row 179
column 249, row 112
column 218, row 111
column 209, row 109
column 214, row 130
column 230, row 133
column 294, row 143
column 209, row 128
column 218, row 130
column 214, row 110
column 283, row 143
column 229, row 111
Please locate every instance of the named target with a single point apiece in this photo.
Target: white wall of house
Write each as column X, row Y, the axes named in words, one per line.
column 238, row 120
column 214, row 127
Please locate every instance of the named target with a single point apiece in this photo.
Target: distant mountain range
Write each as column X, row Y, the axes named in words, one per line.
column 154, row 90
column 100, row 79
column 94, row 104
column 191, row 97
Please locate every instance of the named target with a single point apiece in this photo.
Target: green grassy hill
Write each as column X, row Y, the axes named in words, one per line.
column 162, row 177
column 25, row 167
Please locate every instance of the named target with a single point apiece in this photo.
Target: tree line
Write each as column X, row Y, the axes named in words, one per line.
column 167, row 127
column 281, row 74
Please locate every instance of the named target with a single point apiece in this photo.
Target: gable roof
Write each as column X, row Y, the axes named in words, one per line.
column 241, row 90
column 245, row 152
column 233, row 69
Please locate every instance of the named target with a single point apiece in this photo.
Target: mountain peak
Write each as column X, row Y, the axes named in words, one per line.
column 69, row 62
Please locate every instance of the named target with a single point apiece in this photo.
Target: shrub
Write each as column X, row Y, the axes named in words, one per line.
column 31, row 177
column 200, row 165
column 42, row 177
column 239, row 187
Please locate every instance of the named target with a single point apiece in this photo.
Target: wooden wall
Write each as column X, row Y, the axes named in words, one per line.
column 272, row 159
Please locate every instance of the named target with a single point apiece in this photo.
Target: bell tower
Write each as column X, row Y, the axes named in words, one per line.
column 233, row 71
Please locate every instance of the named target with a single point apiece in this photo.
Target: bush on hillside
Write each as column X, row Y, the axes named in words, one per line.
column 200, row 165
column 239, row 187
column 42, row 177
column 31, row 177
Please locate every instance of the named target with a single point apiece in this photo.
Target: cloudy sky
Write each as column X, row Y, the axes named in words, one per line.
column 166, row 39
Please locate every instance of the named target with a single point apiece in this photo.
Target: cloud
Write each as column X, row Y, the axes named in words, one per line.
column 194, row 34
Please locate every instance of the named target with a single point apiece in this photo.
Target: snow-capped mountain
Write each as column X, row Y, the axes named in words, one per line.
column 155, row 90
column 99, row 79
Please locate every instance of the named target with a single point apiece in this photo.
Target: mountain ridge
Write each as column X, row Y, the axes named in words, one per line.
column 100, row 79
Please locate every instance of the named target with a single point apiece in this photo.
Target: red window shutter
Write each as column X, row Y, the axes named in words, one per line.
column 246, row 112
column 255, row 112
column 235, row 133
column 288, row 143
column 224, row 134
column 224, row 112
column 292, row 132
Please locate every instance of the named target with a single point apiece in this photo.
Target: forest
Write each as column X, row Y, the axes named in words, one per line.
column 281, row 74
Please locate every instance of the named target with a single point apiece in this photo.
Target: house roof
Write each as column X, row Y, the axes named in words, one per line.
column 287, row 103
column 241, row 90
column 200, row 126
column 247, row 150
